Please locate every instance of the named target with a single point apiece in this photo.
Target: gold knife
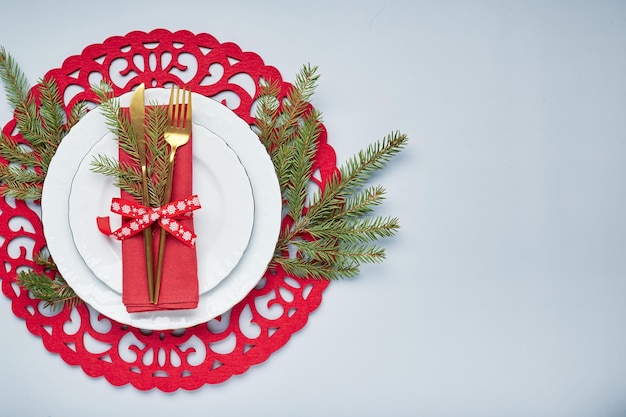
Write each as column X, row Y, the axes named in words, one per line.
column 137, row 117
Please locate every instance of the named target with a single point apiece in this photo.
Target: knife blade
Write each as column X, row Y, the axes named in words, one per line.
column 137, row 121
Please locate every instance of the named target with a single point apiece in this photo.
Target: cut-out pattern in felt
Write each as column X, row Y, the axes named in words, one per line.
column 209, row 353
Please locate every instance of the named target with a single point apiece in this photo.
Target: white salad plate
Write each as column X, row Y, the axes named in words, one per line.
column 225, row 219
column 210, row 116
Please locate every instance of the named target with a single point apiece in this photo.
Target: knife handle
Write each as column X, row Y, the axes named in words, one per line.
column 147, row 236
column 166, row 198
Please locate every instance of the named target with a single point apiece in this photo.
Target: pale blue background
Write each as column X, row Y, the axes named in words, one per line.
column 504, row 292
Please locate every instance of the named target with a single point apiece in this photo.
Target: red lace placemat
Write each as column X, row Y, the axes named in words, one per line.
column 205, row 354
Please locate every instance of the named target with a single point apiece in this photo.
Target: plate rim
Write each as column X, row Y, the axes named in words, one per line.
column 267, row 219
column 244, row 207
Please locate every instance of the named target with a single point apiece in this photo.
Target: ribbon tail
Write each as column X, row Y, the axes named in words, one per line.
column 179, row 232
column 104, row 225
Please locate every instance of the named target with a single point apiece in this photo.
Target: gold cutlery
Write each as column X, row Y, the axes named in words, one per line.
column 137, row 118
column 176, row 134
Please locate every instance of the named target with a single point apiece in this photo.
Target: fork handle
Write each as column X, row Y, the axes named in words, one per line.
column 147, row 236
column 163, row 234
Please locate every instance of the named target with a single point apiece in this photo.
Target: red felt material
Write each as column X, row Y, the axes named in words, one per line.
column 209, row 353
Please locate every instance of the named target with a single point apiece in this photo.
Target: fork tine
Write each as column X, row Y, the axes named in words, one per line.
column 170, row 106
column 188, row 111
column 177, row 108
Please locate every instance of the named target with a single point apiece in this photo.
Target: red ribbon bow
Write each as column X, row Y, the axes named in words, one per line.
column 144, row 216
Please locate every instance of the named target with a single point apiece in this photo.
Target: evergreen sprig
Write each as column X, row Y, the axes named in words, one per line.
column 158, row 152
column 54, row 292
column 42, row 122
column 127, row 176
column 330, row 231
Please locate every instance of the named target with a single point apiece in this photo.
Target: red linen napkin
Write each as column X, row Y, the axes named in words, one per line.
column 179, row 283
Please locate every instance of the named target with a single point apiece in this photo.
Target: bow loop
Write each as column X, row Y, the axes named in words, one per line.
column 142, row 217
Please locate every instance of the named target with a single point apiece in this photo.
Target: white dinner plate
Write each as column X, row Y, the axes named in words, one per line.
column 267, row 217
column 224, row 222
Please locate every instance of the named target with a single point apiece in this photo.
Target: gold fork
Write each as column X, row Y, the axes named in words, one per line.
column 176, row 134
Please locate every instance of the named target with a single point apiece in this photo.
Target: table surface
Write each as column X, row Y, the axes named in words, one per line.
column 503, row 293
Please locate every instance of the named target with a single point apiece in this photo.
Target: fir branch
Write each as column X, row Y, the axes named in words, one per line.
column 298, row 267
column 17, row 180
column 126, row 176
column 281, row 161
column 17, row 153
column 22, row 101
column 330, row 203
column 54, row 292
column 358, row 169
column 157, row 121
column 51, row 111
column 332, row 236
column 339, row 252
column 300, row 163
column 361, row 230
column 353, row 175
column 267, row 112
column 44, row 259
column 295, row 105
column 15, row 82
column 117, row 121
column 362, row 203
column 278, row 118
column 77, row 111
column 12, row 173
column 41, row 124
column 21, row 191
